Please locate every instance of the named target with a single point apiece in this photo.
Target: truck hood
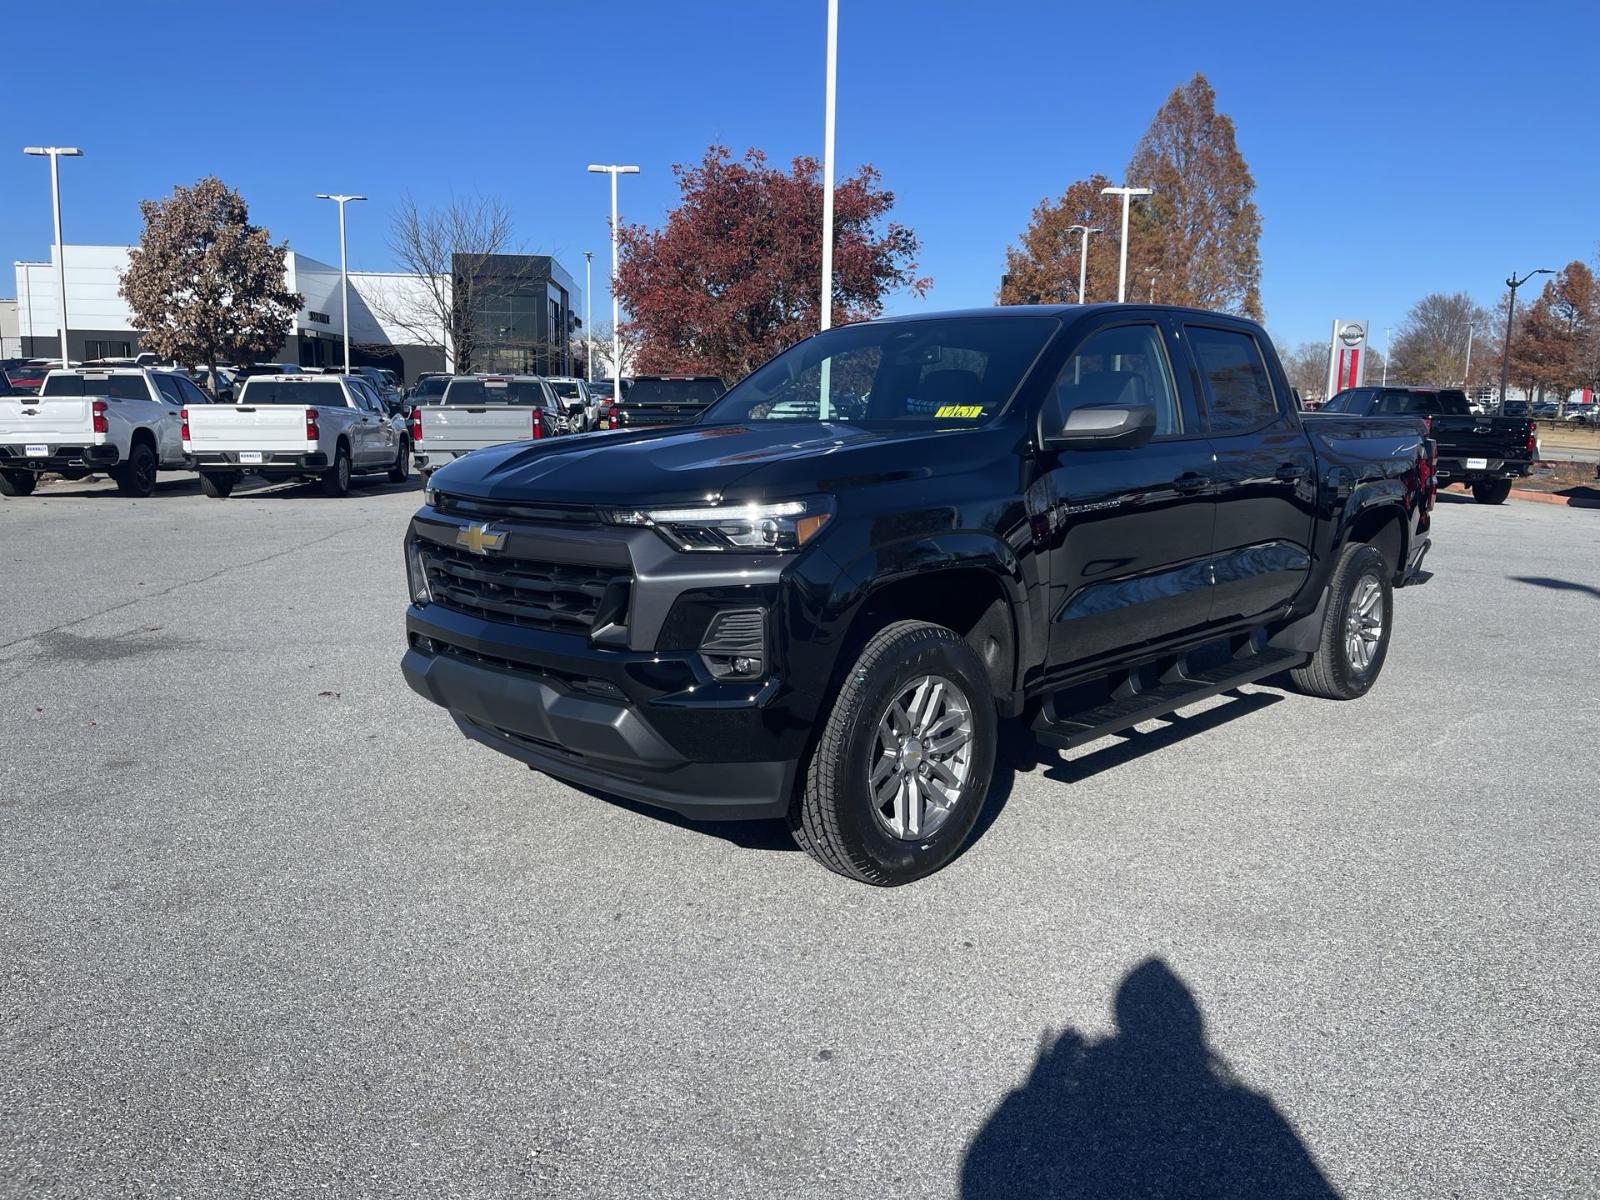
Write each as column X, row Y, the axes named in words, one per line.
column 673, row 465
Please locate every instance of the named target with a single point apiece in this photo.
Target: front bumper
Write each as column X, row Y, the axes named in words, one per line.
column 59, row 458
column 648, row 726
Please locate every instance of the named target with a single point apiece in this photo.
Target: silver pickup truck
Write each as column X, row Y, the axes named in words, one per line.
column 485, row 410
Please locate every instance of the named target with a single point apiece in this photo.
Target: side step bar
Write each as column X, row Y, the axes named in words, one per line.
column 1134, row 701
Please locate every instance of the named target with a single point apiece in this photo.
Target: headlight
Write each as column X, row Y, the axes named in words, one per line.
column 784, row 526
column 430, row 496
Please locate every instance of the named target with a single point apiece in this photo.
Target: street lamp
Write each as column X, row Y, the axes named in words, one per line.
column 827, row 173
column 1083, row 257
column 614, row 170
column 1152, row 272
column 1127, row 194
column 588, row 313
column 55, row 154
column 344, row 275
column 1513, row 283
column 1388, row 341
column 1466, row 371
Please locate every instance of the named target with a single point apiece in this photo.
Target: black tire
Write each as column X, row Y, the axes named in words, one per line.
column 336, row 479
column 218, row 484
column 1494, row 491
column 18, row 483
column 835, row 817
column 137, row 476
column 401, row 471
column 1334, row 672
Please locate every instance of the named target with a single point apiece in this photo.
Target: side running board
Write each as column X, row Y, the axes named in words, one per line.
column 1139, row 698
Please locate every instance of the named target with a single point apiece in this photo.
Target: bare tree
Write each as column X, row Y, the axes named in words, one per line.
column 452, row 250
column 629, row 340
column 1430, row 347
column 1307, row 368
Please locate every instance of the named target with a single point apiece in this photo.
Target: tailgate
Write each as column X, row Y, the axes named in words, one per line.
column 463, row 427
column 1482, row 437
column 633, row 415
column 214, row 427
column 56, row 421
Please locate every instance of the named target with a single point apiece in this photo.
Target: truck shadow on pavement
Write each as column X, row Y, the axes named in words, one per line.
column 1558, row 585
column 1150, row 1111
column 1019, row 751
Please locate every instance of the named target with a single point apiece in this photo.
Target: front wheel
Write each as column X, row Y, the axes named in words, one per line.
column 401, row 470
column 1355, row 628
column 1493, row 491
column 18, row 483
column 902, row 767
column 336, row 479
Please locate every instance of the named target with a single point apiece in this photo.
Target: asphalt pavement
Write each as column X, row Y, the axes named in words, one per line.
column 269, row 926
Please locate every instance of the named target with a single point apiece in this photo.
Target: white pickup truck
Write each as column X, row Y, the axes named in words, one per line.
column 486, row 410
column 325, row 427
column 119, row 421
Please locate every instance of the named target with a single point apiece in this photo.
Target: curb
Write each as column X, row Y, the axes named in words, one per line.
column 1535, row 497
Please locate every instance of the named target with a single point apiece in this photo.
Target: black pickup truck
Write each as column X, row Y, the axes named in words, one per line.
column 1485, row 453
column 816, row 601
column 662, row 400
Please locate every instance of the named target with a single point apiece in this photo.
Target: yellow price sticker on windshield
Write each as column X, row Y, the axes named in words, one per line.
column 960, row 410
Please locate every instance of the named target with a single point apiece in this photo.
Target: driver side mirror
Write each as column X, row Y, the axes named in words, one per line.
column 1123, row 427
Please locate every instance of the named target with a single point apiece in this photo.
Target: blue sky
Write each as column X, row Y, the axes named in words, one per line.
column 1397, row 150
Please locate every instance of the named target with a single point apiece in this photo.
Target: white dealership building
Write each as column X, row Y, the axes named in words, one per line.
column 394, row 320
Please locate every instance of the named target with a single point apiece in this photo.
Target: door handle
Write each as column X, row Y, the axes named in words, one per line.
column 1190, row 481
column 1291, row 473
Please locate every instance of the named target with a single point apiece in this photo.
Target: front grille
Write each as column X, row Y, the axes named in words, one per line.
column 557, row 597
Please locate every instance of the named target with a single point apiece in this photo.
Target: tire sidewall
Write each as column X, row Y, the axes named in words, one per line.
column 338, row 477
column 401, row 471
column 139, row 478
column 904, row 861
column 1365, row 563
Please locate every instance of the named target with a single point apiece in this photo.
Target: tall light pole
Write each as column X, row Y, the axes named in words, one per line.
column 1083, row 257
column 827, row 171
column 344, row 274
column 1127, row 194
column 55, row 154
column 1388, row 341
column 1466, row 371
column 1513, row 283
column 1152, row 272
column 588, row 313
column 613, row 170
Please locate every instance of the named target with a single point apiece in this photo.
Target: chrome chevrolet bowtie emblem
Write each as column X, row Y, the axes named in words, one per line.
column 480, row 539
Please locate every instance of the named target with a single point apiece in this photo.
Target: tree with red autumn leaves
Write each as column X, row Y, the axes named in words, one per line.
column 735, row 274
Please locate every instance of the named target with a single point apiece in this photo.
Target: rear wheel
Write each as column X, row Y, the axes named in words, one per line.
column 217, row 484
column 1494, row 491
column 902, row 767
column 18, row 483
column 1355, row 628
column 336, row 479
column 401, row 471
column 137, row 476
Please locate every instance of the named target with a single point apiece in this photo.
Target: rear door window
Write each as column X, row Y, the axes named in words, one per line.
column 167, row 385
column 1237, row 385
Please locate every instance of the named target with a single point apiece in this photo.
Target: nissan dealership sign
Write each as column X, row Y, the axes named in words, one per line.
column 1347, row 356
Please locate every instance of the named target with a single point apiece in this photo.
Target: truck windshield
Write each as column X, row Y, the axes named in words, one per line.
column 524, row 392
column 119, row 387
column 318, row 393
column 953, row 372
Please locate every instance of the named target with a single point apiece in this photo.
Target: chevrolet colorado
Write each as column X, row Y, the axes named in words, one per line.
column 816, row 601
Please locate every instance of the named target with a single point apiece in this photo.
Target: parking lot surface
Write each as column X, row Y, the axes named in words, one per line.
column 270, row 926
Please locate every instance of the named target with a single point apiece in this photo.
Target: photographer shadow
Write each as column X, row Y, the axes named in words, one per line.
column 1151, row 1111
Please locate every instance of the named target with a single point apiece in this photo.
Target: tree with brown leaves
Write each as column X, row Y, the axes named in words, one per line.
column 1200, row 229
column 1044, row 268
column 1430, row 347
column 734, row 275
column 205, row 285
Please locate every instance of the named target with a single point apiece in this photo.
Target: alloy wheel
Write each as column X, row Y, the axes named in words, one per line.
column 921, row 758
column 1363, row 623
